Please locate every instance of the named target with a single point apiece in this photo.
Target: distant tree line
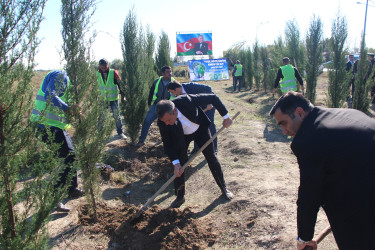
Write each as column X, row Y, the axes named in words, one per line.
column 308, row 55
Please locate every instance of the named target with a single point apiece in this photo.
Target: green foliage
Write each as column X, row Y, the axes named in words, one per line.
column 266, row 68
column 257, row 64
column 277, row 51
column 295, row 48
column 231, row 55
column 163, row 57
column 314, row 56
column 327, row 51
column 338, row 88
column 24, row 205
column 149, row 45
column 362, row 82
column 137, row 71
column 116, row 64
column 89, row 139
column 246, row 58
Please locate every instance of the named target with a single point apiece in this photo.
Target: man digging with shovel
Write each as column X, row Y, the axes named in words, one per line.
column 334, row 175
column 181, row 121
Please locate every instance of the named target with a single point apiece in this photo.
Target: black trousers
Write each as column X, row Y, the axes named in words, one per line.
column 201, row 136
column 66, row 151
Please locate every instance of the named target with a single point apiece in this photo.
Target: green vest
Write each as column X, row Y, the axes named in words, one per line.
column 238, row 70
column 44, row 112
column 155, row 96
column 108, row 88
column 289, row 82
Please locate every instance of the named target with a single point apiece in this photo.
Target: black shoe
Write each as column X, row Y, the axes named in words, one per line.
column 76, row 193
column 227, row 194
column 62, row 208
column 178, row 202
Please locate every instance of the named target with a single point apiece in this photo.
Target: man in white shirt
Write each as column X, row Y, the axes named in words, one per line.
column 181, row 121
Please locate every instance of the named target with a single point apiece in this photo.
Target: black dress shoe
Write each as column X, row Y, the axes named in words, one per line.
column 178, row 202
column 227, row 194
column 76, row 193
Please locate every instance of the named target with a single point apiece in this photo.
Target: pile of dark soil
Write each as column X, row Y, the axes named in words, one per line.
column 156, row 228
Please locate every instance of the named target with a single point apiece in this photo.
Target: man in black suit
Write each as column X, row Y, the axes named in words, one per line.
column 352, row 65
column 182, row 121
column 200, row 48
column 334, row 175
column 176, row 89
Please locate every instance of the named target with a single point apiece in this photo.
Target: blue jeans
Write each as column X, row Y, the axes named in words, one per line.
column 149, row 119
column 115, row 112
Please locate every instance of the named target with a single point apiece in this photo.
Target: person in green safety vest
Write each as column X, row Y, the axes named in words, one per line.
column 237, row 74
column 287, row 77
column 158, row 91
column 108, row 80
column 49, row 111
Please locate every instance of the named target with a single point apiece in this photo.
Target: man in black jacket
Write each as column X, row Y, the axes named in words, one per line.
column 334, row 175
column 176, row 89
column 182, row 121
column 351, row 66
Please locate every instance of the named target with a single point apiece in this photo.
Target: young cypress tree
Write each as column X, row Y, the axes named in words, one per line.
column 338, row 88
column 22, row 156
column 362, row 82
column 90, row 138
column 246, row 59
column 314, row 56
column 257, row 65
column 163, row 56
column 278, row 51
column 266, row 68
column 295, row 49
column 249, row 70
column 150, row 73
column 136, row 72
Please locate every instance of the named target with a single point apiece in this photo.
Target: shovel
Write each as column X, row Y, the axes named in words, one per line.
column 140, row 211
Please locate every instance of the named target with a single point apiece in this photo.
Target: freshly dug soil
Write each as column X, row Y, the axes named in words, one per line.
column 156, row 228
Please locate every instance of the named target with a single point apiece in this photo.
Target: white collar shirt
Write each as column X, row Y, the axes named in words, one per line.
column 188, row 126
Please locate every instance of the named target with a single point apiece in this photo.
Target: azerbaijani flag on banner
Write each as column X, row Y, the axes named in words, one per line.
column 186, row 42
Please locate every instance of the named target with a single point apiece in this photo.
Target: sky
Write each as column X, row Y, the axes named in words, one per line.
column 229, row 21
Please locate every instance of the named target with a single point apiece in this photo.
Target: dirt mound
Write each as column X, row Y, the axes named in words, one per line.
column 156, row 228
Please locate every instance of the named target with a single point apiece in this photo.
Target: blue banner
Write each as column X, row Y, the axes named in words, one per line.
column 208, row 70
